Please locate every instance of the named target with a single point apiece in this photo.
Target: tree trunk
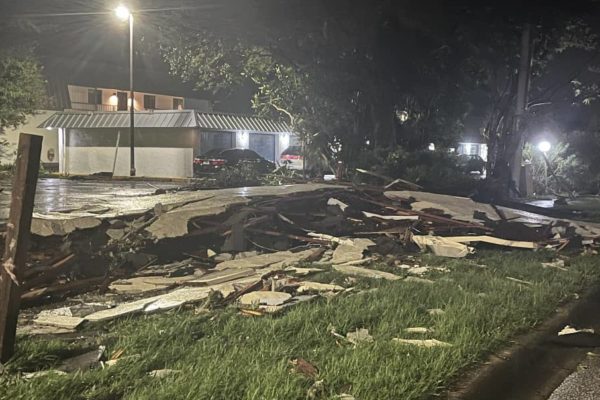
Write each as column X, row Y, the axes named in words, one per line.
column 517, row 139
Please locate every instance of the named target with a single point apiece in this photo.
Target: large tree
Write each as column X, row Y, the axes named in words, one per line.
column 22, row 89
column 341, row 72
column 494, row 37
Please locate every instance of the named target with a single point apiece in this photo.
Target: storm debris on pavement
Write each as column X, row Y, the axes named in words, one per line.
column 257, row 248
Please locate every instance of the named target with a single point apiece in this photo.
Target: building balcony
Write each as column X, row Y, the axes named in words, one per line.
column 92, row 107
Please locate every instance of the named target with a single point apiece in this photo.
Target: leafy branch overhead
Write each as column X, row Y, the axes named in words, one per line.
column 22, row 88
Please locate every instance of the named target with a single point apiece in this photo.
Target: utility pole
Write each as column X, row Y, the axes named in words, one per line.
column 132, row 106
column 522, row 89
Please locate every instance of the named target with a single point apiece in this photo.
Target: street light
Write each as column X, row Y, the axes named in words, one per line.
column 124, row 14
column 544, row 146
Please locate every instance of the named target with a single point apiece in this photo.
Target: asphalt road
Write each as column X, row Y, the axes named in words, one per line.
column 64, row 194
column 583, row 384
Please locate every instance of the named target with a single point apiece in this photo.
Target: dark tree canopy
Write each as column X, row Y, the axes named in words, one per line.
column 22, row 89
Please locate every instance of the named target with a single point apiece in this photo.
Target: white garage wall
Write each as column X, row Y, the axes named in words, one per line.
column 50, row 141
column 159, row 162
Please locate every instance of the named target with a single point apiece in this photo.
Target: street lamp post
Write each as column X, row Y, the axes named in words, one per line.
column 544, row 147
column 124, row 14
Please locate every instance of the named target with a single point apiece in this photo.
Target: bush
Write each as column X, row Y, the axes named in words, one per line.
column 243, row 174
column 570, row 174
column 436, row 171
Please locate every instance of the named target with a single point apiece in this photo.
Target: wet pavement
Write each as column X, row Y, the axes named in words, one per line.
column 59, row 195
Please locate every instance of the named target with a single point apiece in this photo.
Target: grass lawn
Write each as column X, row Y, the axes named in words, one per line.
column 223, row 355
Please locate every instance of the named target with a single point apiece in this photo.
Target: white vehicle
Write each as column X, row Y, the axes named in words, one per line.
column 292, row 158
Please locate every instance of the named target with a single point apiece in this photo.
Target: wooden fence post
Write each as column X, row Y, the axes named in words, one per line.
column 17, row 238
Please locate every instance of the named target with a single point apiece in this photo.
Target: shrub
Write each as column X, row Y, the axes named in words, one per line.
column 436, row 171
column 243, row 174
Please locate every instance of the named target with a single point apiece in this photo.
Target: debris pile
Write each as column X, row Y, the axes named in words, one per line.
column 258, row 250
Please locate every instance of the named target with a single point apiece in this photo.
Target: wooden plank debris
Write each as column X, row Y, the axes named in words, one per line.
column 17, row 239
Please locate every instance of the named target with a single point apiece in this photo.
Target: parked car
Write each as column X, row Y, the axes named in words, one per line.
column 471, row 163
column 216, row 159
column 292, row 158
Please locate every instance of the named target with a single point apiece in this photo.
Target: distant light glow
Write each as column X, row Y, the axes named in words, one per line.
column 544, row 146
column 431, row 146
column 122, row 12
column 402, row 115
column 49, row 128
column 284, row 141
column 242, row 139
column 113, row 100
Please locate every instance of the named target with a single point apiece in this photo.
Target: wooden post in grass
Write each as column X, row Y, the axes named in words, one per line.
column 17, row 238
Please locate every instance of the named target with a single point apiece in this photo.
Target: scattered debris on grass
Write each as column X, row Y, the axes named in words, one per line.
column 569, row 330
column 359, row 336
column 258, row 250
column 301, row 366
column 418, row 329
column 422, row 342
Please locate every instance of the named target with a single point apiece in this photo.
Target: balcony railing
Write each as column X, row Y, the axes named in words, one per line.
column 92, row 107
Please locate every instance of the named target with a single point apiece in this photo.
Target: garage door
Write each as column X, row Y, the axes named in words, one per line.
column 215, row 140
column 263, row 144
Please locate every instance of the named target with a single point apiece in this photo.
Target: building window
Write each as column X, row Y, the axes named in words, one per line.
column 177, row 104
column 149, row 102
column 94, row 96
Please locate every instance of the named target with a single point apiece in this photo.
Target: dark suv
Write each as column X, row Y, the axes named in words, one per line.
column 216, row 159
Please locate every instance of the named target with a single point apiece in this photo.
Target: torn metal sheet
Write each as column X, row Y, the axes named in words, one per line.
column 44, row 225
column 308, row 286
column 332, row 239
column 59, row 321
column 147, row 284
column 352, row 251
column 569, row 330
column 174, row 223
column 300, row 271
column 391, row 217
column 42, row 374
column 335, row 202
column 460, row 208
column 292, row 302
column 34, row 330
column 493, row 240
column 221, row 276
column 121, row 310
column 178, row 207
column 464, row 209
column 264, row 298
column 440, row 246
column 277, row 260
column 191, row 295
column 365, row 272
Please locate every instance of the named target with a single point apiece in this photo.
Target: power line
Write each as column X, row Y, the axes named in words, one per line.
column 142, row 11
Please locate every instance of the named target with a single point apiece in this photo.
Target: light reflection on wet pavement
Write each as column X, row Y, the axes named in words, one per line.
column 67, row 199
column 63, row 194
